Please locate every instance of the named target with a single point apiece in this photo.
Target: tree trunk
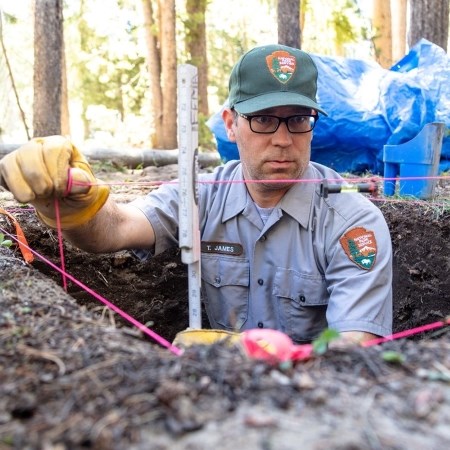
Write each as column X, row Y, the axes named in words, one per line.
column 429, row 20
column 289, row 22
column 48, row 45
column 169, row 74
column 65, row 116
column 303, row 7
column 382, row 38
column 196, row 47
column 84, row 48
column 154, row 69
column 399, row 13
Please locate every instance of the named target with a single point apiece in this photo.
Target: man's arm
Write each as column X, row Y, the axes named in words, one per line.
column 52, row 173
column 115, row 227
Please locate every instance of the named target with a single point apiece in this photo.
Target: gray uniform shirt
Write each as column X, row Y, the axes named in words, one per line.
column 316, row 262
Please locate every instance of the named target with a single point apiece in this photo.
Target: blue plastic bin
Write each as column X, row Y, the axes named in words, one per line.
column 418, row 157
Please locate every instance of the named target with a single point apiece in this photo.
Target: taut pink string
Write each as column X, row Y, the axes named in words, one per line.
column 156, row 337
column 406, row 333
column 295, row 180
column 61, row 245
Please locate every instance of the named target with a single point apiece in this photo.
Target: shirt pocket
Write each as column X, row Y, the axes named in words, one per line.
column 302, row 301
column 226, row 285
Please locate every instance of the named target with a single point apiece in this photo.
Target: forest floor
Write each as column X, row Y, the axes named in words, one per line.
column 74, row 375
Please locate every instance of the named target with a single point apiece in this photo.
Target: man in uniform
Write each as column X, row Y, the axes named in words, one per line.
column 275, row 253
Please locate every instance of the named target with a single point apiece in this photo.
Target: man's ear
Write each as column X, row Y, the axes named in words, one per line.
column 229, row 119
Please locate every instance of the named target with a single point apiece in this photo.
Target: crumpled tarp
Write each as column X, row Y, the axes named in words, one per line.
column 369, row 106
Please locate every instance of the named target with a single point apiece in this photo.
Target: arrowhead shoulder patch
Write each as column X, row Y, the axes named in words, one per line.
column 360, row 246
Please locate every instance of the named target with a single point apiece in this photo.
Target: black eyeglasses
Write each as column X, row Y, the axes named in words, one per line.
column 267, row 124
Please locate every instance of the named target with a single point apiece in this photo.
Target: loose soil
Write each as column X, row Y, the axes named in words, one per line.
column 74, row 375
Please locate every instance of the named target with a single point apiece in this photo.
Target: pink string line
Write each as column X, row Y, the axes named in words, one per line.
column 60, row 242
column 374, row 198
column 163, row 342
column 374, row 179
column 154, row 335
column 177, row 351
column 406, row 333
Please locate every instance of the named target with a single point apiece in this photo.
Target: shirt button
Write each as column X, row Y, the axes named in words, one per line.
column 263, row 238
column 260, row 325
column 217, row 280
column 260, row 281
column 302, row 298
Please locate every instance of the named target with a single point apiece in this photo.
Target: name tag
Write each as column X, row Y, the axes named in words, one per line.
column 224, row 248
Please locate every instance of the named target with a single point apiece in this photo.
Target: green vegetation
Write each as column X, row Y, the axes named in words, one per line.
column 393, row 357
column 5, row 242
column 320, row 345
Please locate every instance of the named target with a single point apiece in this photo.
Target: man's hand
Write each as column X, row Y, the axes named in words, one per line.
column 352, row 338
column 52, row 168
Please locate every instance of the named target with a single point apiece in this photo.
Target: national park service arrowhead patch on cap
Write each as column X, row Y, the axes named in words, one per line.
column 281, row 65
column 360, row 246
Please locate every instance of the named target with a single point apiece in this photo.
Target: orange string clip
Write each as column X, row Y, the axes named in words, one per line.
column 21, row 239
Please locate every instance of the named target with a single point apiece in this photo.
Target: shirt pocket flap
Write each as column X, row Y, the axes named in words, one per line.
column 304, row 289
column 225, row 271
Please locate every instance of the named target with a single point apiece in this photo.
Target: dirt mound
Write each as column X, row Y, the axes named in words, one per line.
column 71, row 379
column 75, row 376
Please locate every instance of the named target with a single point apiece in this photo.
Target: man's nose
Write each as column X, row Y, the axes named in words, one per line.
column 282, row 136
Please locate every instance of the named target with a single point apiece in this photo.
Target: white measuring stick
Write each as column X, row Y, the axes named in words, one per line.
column 189, row 231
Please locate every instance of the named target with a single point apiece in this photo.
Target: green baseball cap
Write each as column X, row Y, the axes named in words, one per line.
column 273, row 75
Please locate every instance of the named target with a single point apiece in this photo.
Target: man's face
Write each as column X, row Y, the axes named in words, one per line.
column 277, row 156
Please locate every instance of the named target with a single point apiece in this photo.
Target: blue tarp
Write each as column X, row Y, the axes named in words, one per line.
column 369, row 106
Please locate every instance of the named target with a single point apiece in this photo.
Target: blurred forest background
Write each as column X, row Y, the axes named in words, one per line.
column 104, row 71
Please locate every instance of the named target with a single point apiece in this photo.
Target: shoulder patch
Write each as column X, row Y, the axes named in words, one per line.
column 360, row 246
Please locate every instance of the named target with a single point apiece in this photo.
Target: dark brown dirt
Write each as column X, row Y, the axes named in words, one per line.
column 75, row 376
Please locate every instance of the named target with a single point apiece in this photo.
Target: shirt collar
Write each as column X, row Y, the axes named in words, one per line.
column 297, row 202
column 237, row 197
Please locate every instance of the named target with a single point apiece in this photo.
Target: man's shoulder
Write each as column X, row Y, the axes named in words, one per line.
column 348, row 205
column 227, row 171
column 324, row 171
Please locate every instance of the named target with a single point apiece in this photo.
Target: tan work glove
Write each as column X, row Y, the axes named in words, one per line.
column 48, row 168
column 191, row 336
column 263, row 344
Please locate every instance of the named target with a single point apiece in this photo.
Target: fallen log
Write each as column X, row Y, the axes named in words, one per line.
column 134, row 157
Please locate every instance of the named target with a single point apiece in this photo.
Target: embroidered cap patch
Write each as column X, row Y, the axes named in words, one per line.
column 281, row 65
column 360, row 246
